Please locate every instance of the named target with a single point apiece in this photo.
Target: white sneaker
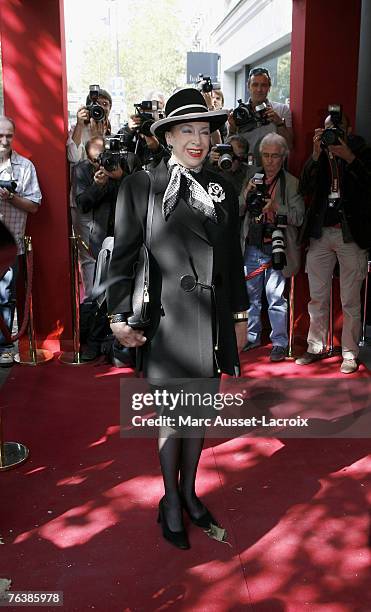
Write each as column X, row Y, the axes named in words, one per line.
column 6, row 359
column 349, row 366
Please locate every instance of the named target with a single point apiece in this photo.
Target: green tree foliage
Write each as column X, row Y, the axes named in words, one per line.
column 152, row 52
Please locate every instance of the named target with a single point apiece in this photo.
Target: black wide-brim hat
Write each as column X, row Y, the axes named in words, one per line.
column 185, row 106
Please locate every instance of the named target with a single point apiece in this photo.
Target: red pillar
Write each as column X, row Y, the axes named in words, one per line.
column 35, row 96
column 324, row 70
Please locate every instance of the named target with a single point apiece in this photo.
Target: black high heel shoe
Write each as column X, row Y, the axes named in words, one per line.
column 204, row 521
column 177, row 538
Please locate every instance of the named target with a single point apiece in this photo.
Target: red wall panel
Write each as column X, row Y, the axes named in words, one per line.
column 34, row 74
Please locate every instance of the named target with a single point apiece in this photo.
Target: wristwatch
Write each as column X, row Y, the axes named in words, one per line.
column 11, row 195
column 240, row 316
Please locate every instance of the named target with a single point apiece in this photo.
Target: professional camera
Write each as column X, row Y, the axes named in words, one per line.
column 149, row 112
column 114, row 154
column 256, row 199
column 260, row 114
column 96, row 111
column 205, row 85
column 226, row 156
column 278, row 249
column 330, row 136
column 272, row 233
column 245, row 116
column 9, row 185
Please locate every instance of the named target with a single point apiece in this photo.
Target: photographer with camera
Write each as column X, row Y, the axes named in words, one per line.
column 231, row 160
column 337, row 176
column 92, row 121
column 19, row 195
column 137, row 131
column 274, row 210
column 214, row 99
column 260, row 116
column 96, row 182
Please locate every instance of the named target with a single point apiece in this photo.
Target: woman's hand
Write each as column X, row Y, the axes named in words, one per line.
column 240, row 329
column 127, row 336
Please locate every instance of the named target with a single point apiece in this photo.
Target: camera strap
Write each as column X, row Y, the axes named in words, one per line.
column 272, row 185
column 335, row 179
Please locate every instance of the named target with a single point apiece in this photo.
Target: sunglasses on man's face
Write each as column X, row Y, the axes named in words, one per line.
column 256, row 71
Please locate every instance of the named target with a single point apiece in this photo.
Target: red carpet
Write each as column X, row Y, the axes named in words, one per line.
column 79, row 515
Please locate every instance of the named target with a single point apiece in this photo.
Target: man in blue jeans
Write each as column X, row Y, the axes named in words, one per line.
column 14, row 208
column 281, row 206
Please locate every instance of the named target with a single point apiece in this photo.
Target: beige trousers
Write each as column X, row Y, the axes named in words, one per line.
column 321, row 259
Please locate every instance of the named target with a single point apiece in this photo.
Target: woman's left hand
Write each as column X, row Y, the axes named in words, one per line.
column 127, row 336
column 241, row 334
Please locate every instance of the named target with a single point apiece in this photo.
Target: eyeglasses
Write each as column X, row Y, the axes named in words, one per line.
column 256, row 71
column 271, row 155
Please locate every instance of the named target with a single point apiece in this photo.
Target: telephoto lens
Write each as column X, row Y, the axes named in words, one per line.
column 278, row 250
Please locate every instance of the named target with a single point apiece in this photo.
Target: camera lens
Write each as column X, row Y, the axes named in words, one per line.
column 97, row 112
column 145, row 128
column 225, row 161
column 329, row 137
column 278, row 250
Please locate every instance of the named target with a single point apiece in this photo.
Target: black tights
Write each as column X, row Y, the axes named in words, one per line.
column 179, row 459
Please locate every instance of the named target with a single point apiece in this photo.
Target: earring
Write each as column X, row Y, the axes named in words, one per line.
column 170, row 146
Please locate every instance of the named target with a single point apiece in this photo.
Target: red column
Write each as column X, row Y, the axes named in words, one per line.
column 35, row 96
column 324, row 70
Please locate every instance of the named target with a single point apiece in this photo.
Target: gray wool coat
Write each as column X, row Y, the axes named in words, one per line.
column 194, row 323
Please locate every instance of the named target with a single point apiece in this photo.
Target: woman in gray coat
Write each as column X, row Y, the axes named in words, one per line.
column 195, row 244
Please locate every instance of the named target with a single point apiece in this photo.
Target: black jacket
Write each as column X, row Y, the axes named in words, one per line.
column 355, row 188
column 186, row 244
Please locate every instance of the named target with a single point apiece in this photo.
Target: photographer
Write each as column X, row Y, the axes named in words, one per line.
column 260, row 116
column 19, row 195
column 89, row 125
column 92, row 121
column 274, row 210
column 138, row 137
column 231, row 160
column 337, row 176
column 214, row 98
column 96, row 183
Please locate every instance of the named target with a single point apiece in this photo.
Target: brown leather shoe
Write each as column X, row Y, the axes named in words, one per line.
column 349, row 366
column 308, row 358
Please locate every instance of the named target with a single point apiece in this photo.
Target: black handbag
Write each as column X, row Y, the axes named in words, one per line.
column 146, row 295
column 147, row 280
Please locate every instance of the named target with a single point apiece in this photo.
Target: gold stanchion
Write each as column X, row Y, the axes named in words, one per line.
column 290, row 354
column 363, row 340
column 11, row 453
column 74, row 357
column 34, row 356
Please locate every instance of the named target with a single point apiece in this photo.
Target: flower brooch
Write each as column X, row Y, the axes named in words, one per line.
column 216, row 192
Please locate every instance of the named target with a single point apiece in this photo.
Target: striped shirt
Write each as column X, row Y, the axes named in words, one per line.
column 22, row 170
